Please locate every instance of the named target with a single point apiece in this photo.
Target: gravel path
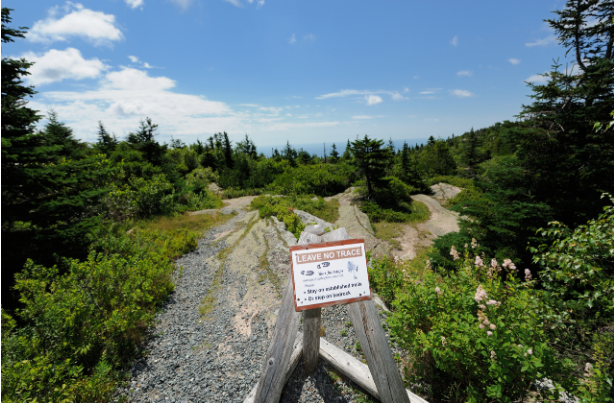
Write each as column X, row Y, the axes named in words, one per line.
column 240, row 268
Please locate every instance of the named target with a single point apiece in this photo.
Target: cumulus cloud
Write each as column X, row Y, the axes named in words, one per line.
column 542, row 42
column 373, row 99
column 94, row 26
column 136, row 80
column 135, row 3
column 454, row 41
column 397, row 97
column 57, row 65
column 514, row 61
column 261, row 3
column 537, row 79
column 292, row 39
column 462, row 93
column 133, row 59
column 465, row 73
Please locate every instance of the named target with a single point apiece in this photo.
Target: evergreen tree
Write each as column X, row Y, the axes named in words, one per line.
column 144, row 141
column 334, row 154
column 289, row 154
column 430, row 142
column 469, row 151
column 228, row 152
column 571, row 164
column 347, row 153
column 106, row 143
column 371, row 160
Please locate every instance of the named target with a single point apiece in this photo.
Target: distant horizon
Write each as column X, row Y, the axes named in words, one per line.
column 312, row 148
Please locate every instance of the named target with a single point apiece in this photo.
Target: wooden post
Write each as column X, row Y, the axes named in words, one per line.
column 311, row 338
column 277, row 360
column 375, row 347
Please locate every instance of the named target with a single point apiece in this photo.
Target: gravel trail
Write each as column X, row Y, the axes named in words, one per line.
column 239, row 270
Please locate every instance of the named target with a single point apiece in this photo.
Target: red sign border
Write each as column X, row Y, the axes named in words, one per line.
column 326, row 245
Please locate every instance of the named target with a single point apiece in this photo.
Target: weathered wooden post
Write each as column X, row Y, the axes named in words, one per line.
column 311, row 338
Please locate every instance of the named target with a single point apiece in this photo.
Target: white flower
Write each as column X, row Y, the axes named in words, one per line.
column 474, row 243
column 527, row 274
column 454, row 253
column 479, row 262
column 489, row 333
column 492, row 326
column 493, row 355
column 480, row 294
column 438, row 290
column 443, row 341
column 530, row 351
column 508, row 263
column 491, row 302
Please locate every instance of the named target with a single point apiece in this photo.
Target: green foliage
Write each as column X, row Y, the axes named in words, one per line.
column 279, row 207
column 436, row 159
column 404, row 212
column 577, row 275
column 476, row 334
column 80, row 325
column 371, row 161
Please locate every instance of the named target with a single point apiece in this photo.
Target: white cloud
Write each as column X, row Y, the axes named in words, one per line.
column 292, row 39
column 454, row 41
column 465, row 73
column 367, row 117
column 261, row 3
column 183, row 4
column 235, row 3
column 345, row 93
column 537, row 79
column 309, row 37
column 133, row 59
column 542, row 42
column 405, row 89
column 514, row 61
column 135, row 3
column 462, row 93
column 57, row 65
column 426, row 92
column 95, row 26
column 271, row 109
column 431, row 120
column 136, row 80
column 373, row 99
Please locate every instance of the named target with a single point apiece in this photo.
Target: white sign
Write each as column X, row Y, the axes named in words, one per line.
column 332, row 275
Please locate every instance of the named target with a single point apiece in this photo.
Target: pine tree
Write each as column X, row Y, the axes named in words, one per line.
column 469, row 151
column 570, row 163
column 371, row 160
column 106, row 142
column 334, row 154
column 347, row 153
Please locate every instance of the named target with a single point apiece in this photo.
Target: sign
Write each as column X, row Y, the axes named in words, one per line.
column 329, row 273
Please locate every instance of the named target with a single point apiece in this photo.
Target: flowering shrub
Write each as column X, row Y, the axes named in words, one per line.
column 476, row 334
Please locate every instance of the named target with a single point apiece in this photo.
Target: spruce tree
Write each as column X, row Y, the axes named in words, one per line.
column 371, row 160
column 106, row 142
column 334, row 154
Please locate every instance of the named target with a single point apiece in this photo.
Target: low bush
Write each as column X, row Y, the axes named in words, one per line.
column 79, row 326
column 477, row 334
column 404, row 212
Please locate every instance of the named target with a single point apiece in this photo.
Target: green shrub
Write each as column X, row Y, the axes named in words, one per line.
column 268, row 206
column 477, row 334
column 80, row 325
column 153, row 197
column 404, row 212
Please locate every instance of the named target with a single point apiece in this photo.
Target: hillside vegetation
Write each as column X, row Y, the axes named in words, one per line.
column 517, row 305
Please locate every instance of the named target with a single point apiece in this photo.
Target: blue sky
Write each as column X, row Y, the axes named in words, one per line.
column 307, row 72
